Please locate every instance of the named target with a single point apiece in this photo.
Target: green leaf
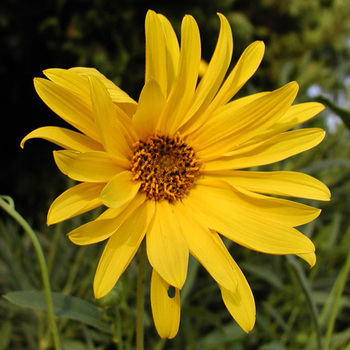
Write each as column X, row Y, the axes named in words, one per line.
column 5, row 334
column 64, row 306
column 274, row 345
column 341, row 112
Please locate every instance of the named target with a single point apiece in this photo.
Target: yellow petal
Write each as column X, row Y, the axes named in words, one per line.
column 76, row 200
column 181, row 95
column 107, row 122
column 172, row 51
column 279, row 210
column 71, row 107
column 65, row 138
column 230, row 108
column 222, row 213
column 120, row 189
column 281, row 183
column 118, row 96
column 90, row 166
column 127, row 126
column 165, row 309
column 246, row 66
column 95, row 231
column 167, row 249
column 310, row 258
column 203, row 66
column 240, row 303
column 156, row 65
column 207, row 247
column 71, row 81
column 121, row 248
column 295, row 116
column 151, row 103
column 105, row 225
column 244, row 69
column 233, row 128
column 215, row 72
column 272, row 150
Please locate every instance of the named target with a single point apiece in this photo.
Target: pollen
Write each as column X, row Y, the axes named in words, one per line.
column 166, row 167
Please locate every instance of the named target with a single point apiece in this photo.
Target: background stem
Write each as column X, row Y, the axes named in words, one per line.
column 7, row 204
column 309, row 297
column 140, row 302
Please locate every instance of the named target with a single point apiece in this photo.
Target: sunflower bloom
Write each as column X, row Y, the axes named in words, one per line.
column 170, row 168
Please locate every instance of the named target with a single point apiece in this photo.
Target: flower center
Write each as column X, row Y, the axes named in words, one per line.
column 166, row 167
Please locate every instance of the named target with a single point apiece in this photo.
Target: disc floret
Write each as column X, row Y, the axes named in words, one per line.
column 166, row 167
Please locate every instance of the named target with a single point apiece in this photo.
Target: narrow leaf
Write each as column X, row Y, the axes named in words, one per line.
column 64, row 306
column 341, row 112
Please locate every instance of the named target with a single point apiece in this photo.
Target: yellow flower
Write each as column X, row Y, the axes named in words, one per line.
column 169, row 168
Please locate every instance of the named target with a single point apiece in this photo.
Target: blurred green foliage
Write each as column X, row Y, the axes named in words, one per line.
column 306, row 41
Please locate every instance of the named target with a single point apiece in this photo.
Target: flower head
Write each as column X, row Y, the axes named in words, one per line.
column 170, row 167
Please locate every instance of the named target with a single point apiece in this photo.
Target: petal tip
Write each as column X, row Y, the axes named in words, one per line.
column 98, row 291
column 98, row 294
column 320, row 106
column 310, row 258
column 248, row 326
column 50, row 219
column 23, row 142
column 293, row 85
column 260, row 43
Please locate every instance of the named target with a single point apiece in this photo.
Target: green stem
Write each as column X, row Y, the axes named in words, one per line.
column 140, row 300
column 193, row 268
column 118, row 328
column 74, row 270
column 10, row 209
column 53, row 247
column 339, row 286
column 308, row 294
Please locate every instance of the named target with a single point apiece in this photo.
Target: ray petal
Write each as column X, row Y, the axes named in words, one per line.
column 167, row 249
column 269, row 151
column 151, row 103
column 65, row 138
column 72, row 108
column 156, row 53
column 70, row 80
column 165, row 309
column 172, row 50
column 107, row 122
column 310, row 258
column 121, row 248
column 76, row 200
column 281, row 183
column 240, row 303
column 89, row 166
column 221, row 212
column 231, row 128
column 120, row 189
column 181, row 95
column 105, row 225
column 215, row 73
column 295, row 116
column 95, row 231
column 244, row 69
column 207, row 248
column 246, row 66
column 118, row 96
column 276, row 209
